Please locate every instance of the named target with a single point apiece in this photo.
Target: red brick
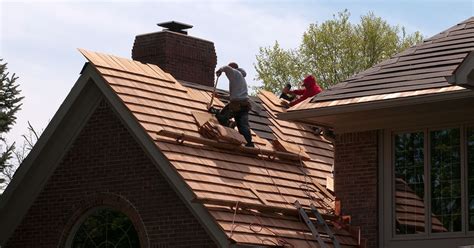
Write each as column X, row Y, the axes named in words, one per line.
column 355, row 181
column 106, row 166
column 185, row 57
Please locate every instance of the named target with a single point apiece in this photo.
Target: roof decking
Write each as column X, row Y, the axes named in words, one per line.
column 419, row 70
column 263, row 188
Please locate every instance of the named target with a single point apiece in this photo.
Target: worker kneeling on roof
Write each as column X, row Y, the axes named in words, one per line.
column 239, row 106
column 311, row 88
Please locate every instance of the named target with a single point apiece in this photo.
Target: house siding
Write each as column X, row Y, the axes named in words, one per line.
column 355, row 182
column 106, row 167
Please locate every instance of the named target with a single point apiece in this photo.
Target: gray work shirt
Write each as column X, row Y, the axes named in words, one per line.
column 237, row 83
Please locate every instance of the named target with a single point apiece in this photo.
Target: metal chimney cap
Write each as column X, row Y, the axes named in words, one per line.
column 174, row 26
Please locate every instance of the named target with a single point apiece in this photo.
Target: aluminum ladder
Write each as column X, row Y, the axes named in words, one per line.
column 320, row 222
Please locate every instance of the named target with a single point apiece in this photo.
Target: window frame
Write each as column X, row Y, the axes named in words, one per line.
column 388, row 148
column 78, row 223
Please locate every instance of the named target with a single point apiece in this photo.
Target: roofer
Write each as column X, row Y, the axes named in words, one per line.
column 311, row 88
column 239, row 106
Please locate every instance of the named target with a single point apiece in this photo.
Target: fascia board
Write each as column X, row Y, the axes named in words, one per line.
column 356, row 107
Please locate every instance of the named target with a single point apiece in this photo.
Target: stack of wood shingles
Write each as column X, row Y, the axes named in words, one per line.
column 419, row 68
column 258, row 120
column 159, row 102
column 209, row 127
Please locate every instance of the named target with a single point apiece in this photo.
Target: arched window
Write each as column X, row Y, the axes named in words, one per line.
column 106, row 228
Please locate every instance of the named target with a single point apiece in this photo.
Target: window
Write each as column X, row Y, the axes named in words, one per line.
column 427, row 181
column 409, row 183
column 106, row 228
column 470, row 174
column 445, row 164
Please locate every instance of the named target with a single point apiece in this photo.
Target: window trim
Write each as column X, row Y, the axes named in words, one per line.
column 388, row 184
column 78, row 223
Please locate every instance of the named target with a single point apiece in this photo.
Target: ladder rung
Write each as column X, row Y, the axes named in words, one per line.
column 310, row 225
column 321, row 221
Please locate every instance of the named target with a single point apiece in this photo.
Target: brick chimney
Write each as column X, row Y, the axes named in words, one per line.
column 173, row 50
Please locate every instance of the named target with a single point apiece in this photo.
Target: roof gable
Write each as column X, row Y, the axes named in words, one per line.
column 464, row 74
column 210, row 180
column 59, row 134
column 221, row 178
column 42, row 160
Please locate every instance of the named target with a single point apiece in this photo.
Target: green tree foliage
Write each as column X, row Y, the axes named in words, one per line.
column 332, row 51
column 277, row 65
column 9, row 105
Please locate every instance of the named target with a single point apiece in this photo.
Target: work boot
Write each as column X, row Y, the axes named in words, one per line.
column 213, row 110
column 251, row 144
column 317, row 130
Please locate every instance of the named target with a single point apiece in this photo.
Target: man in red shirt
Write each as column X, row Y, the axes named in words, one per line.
column 311, row 88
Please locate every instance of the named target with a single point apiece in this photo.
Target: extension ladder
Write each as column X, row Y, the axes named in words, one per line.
column 320, row 222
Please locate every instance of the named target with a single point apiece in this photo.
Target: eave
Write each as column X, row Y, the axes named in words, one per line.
column 340, row 116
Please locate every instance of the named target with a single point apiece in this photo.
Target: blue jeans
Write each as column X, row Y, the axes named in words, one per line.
column 241, row 117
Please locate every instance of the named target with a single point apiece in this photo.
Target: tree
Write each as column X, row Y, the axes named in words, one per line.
column 18, row 154
column 278, row 66
column 9, row 105
column 332, row 51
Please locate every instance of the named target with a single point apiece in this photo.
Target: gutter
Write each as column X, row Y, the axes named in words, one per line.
column 298, row 115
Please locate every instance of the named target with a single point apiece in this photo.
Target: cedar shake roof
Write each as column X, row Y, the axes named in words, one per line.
column 419, row 70
column 249, row 196
column 258, row 118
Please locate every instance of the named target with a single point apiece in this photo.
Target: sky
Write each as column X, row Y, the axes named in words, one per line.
column 39, row 39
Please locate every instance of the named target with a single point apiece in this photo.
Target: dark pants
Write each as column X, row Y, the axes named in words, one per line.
column 241, row 117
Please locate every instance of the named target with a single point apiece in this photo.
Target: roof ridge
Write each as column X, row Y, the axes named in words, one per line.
column 446, row 32
column 125, row 65
column 412, row 49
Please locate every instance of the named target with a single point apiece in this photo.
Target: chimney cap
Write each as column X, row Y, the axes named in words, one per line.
column 174, row 26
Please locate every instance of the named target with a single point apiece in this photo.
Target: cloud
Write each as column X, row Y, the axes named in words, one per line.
column 40, row 43
column 39, row 38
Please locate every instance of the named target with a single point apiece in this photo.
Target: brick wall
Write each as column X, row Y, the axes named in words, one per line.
column 106, row 166
column 356, row 180
column 185, row 57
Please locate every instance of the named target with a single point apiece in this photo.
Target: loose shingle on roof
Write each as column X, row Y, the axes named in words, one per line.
column 241, row 191
column 424, row 66
column 258, row 119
